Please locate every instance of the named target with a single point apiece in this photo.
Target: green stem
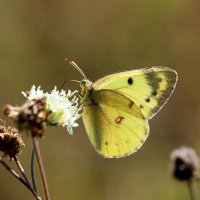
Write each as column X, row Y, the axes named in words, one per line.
column 41, row 167
column 33, row 170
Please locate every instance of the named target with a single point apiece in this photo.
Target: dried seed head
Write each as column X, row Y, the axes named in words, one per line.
column 184, row 163
column 32, row 115
column 11, row 143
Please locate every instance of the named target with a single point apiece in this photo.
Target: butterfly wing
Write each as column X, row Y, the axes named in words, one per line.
column 115, row 126
column 148, row 88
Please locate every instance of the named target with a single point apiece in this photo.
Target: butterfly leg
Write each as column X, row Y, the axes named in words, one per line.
column 74, row 93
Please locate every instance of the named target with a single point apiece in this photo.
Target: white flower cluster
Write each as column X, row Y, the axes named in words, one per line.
column 64, row 111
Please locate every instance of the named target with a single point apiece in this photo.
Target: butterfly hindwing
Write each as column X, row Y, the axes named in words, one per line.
column 115, row 124
column 148, row 88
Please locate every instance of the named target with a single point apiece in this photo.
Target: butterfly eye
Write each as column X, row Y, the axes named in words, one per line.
column 83, row 82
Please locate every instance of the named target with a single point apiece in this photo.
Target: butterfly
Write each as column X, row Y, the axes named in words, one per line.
column 117, row 107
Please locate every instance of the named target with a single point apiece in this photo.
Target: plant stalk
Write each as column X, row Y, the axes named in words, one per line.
column 13, row 173
column 26, row 184
column 26, row 179
column 192, row 190
column 41, row 167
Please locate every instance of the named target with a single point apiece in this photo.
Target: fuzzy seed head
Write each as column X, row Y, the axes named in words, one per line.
column 184, row 163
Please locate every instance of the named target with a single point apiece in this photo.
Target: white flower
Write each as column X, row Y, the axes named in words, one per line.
column 64, row 111
column 34, row 93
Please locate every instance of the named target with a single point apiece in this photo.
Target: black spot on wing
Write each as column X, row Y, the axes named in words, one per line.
column 147, row 100
column 154, row 93
column 131, row 104
column 130, row 81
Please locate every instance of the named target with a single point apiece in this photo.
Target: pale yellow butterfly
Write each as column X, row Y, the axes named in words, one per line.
column 117, row 107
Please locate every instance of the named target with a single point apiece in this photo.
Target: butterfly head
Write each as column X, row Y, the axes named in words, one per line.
column 86, row 85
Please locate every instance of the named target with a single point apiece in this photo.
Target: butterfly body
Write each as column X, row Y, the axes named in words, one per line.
column 116, row 108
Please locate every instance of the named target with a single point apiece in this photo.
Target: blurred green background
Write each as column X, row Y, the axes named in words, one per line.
column 102, row 37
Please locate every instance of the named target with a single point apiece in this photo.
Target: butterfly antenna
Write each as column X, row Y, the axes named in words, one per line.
column 63, row 84
column 73, row 64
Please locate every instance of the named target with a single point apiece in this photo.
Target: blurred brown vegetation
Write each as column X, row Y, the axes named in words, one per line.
column 102, row 37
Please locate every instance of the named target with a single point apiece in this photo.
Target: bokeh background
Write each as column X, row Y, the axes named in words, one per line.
column 102, row 37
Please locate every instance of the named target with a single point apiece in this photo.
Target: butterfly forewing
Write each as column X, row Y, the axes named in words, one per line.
column 115, row 124
column 148, row 88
